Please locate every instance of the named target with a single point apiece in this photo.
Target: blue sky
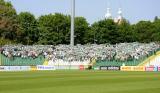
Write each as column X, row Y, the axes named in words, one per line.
column 92, row 10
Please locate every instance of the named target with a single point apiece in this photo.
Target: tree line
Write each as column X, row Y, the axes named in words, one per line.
column 53, row 29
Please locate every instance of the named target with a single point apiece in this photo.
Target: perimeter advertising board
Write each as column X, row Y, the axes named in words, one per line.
column 4, row 68
column 15, row 68
column 138, row 68
column 25, row 68
column 132, row 68
column 111, row 68
column 81, row 67
column 151, row 68
column 158, row 68
column 33, row 68
column 41, row 67
column 96, row 68
column 126, row 68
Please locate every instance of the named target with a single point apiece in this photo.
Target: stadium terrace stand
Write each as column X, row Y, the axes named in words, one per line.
column 17, row 61
column 129, row 54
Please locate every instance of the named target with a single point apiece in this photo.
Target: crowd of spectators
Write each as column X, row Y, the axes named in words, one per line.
column 121, row 51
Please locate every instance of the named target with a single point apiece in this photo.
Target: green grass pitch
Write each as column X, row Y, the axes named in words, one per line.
column 79, row 82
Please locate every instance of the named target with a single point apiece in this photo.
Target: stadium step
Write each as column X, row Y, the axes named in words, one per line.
column 45, row 62
column 150, row 59
column 93, row 62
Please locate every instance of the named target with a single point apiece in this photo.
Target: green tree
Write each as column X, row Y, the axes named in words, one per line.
column 144, row 31
column 156, row 29
column 8, row 24
column 54, row 29
column 105, row 31
column 81, row 28
column 126, row 32
column 29, row 28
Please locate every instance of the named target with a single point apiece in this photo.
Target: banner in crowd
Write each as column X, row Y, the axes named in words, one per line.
column 132, row 68
column 42, row 67
column 151, row 68
column 112, row 68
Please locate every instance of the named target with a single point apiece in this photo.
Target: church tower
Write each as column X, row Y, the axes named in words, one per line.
column 119, row 18
column 108, row 15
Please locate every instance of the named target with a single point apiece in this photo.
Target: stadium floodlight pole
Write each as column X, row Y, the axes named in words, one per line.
column 72, row 23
